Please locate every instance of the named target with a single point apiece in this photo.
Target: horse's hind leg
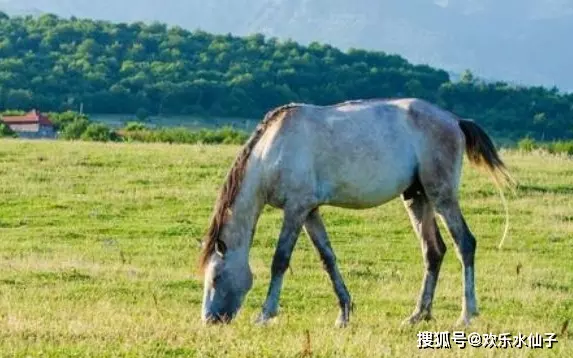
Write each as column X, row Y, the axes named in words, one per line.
column 444, row 199
column 440, row 172
column 433, row 248
column 465, row 242
column 317, row 232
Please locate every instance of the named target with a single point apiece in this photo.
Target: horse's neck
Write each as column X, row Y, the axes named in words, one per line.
column 245, row 211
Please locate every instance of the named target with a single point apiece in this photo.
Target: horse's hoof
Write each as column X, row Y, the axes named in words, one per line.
column 417, row 318
column 341, row 323
column 410, row 321
column 465, row 319
column 263, row 320
column 463, row 322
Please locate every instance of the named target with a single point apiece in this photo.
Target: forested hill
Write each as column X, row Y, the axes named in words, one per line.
column 55, row 64
column 520, row 41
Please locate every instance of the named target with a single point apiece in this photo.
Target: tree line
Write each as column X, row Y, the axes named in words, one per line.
column 57, row 64
column 71, row 125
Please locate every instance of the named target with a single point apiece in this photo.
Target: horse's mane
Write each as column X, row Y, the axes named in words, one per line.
column 233, row 182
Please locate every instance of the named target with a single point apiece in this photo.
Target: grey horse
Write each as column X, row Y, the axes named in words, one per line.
column 356, row 154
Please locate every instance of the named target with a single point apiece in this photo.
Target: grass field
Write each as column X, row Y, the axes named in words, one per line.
column 98, row 252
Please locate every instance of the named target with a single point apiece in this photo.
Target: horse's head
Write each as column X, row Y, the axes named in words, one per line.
column 228, row 278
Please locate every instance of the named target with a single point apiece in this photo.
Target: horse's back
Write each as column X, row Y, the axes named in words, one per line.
column 351, row 155
column 355, row 154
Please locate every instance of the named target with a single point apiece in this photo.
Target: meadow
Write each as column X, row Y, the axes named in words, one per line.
column 99, row 247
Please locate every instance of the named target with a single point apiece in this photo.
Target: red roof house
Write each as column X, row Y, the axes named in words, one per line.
column 31, row 125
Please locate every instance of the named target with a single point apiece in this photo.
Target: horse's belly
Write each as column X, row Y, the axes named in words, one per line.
column 368, row 186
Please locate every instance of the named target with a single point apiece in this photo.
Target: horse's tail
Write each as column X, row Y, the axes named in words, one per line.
column 482, row 153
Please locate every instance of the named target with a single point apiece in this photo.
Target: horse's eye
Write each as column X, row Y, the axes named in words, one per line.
column 215, row 279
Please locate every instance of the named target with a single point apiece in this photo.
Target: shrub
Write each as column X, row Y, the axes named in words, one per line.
column 134, row 126
column 74, row 129
column 6, row 131
column 63, row 119
column 98, row 132
column 11, row 112
column 527, row 144
column 558, row 147
column 183, row 135
column 565, row 147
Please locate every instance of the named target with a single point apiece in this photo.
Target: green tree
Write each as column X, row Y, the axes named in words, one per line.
column 142, row 114
column 467, row 76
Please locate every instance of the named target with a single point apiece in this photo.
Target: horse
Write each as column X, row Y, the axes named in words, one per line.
column 356, row 154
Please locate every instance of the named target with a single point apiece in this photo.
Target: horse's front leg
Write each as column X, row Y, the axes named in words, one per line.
column 292, row 225
column 317, row 232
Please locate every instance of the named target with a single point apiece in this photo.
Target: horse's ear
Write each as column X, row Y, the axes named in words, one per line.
column 220, row 248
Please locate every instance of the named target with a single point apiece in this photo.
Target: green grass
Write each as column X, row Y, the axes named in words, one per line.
column 98, row 252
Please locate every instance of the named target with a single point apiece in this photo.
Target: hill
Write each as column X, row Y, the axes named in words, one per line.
column 513, row 40
column 55, row 64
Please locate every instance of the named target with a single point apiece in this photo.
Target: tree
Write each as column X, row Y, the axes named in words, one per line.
column 55, row 64
column 467, row 77
column 142, row 114
column 19, row 98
